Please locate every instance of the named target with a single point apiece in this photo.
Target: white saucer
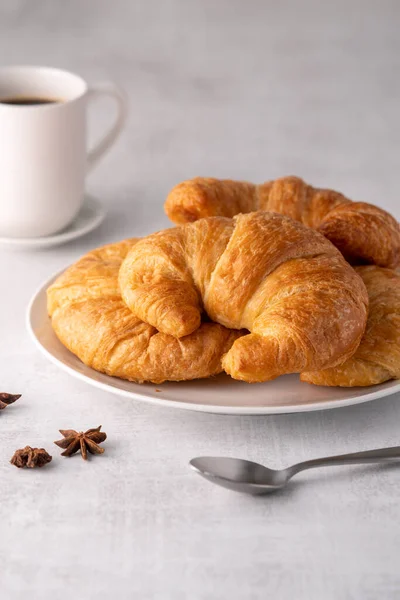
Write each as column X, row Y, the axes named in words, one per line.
column 90, row 216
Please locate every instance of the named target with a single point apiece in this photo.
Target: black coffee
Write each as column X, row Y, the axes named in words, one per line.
column 28, row 101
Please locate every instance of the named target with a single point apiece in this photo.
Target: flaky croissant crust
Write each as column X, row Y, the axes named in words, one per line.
column 290, row 287
column 362, row 232
column 91, row 320
column 377, row 359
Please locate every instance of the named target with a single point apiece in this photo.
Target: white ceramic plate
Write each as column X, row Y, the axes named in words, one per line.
column 218, row 394
column 89, row 217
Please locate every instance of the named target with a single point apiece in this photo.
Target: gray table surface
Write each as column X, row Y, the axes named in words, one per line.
column 225, row 88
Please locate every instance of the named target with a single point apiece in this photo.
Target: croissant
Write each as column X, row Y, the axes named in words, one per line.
column 377, row 359
column 91, row 320
column 362, row 232
column 289, row 286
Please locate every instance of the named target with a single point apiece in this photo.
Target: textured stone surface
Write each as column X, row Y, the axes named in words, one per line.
column 244, row 89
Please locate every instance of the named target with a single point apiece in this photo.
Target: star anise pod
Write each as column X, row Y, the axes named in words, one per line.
column 89, row 441
column 30, row 457
column 6, row 399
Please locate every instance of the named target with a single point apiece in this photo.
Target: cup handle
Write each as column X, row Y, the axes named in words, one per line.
column 108, row 139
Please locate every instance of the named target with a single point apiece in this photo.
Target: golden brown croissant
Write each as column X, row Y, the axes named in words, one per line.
column 91, row 320
column 288, row 285
column 362, row 232
column 377, row 358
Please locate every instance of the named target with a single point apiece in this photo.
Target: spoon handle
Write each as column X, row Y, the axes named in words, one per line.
column 355, row 458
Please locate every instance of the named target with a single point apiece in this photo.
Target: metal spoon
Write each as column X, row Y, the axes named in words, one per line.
column 251, row 478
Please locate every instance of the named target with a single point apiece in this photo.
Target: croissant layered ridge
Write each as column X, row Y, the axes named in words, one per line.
column 377, row 359
column 362, row 232
column 90, row 318
column 285, row 283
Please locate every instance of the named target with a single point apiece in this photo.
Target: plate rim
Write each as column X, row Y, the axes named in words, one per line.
column 205, row 408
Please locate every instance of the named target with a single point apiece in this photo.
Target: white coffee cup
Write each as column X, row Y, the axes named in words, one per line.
column 43, row 151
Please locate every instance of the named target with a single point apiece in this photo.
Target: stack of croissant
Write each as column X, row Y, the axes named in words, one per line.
column 255, row 280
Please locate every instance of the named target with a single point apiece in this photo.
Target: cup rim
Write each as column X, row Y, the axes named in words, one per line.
column 44, row 69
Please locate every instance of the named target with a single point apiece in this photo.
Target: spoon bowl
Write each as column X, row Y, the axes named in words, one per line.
column 239, row 475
